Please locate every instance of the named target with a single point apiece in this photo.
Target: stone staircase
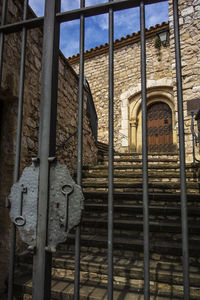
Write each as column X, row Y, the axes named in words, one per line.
column 166, row 273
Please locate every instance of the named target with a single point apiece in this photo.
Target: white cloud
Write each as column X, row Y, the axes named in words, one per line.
column 69, row 38
column 37, row 6
column 69, row 5
column 125, row 22
column 69, row 24
column 94, row 2
column 100, row 21
column 71, row 48
column 156, row 13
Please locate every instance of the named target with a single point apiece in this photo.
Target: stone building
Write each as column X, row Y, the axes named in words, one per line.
column 161, row 84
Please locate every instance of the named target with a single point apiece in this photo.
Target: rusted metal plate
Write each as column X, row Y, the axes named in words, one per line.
column 23, row 200
column 65, row 205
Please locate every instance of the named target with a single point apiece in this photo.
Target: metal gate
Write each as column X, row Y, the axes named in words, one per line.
column 51, row 23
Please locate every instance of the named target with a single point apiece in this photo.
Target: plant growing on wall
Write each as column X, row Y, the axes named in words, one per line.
column 157, row 45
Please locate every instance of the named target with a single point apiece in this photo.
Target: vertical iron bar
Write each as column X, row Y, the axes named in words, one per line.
column 144, row 152
column 21, row 95
column 110, row 154
column 184, row 221
column 18, row 149
column 3, row 22
column 47, row 142
column 193, row 137
column 198, row 138
column 80, row 147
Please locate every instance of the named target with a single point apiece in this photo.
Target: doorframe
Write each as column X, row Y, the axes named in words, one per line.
column 155, row 94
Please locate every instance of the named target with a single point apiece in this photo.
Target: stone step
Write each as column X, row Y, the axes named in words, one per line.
column 68, row 247
column 156, row 234
column 130, row 173
column 129, row 268
column 98, row 263
column 135, row 161
column 129, row 198
column 128, row 272
column 156, row 156
column 102, row 151
column 136, row 178
column 102, row 146
column 135, row 212
column 166, row 278
column 130, row 182
column 130, row 186
column 95, row 290
column 170, row 247
column 137, row 225
column 138, row 166
column 138, row 209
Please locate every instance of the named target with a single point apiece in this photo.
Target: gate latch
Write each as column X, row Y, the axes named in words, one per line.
column 65, row 204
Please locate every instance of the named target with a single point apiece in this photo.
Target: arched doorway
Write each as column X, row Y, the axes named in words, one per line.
column 162, row 133
column 159, row 127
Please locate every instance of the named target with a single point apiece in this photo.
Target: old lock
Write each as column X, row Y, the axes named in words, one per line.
column 66, row 190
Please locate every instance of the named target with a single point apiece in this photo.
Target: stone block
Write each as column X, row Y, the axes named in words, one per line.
column 196, row 89
column 196, row 2
column 187, row 11
column 196, row 15
column 124, row 142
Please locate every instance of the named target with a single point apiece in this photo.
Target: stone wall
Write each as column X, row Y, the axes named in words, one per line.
column 127, row 81
column 161, row 78
column 67, row 118
column 189, row 20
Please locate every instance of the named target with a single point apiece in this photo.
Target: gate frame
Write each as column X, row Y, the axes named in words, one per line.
column 51, row 21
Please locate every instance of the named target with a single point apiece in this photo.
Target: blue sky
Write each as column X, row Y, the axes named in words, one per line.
column 96, row 28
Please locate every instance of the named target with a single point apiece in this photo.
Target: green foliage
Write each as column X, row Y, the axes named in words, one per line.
column 157, row 43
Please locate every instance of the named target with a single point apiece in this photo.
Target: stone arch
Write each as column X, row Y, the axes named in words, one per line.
column 162, row 91
column 154, row 95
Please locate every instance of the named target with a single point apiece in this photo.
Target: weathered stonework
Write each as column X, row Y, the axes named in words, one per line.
column 161, row 73
column 127, row 82
column 190, row 53
column 67, row 118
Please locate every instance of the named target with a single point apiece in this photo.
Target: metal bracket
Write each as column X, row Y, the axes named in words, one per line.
column 8, row 204
column 50, row 249
column 65, row 204
column 35, row 160
column 31, row 249
column 52, row 159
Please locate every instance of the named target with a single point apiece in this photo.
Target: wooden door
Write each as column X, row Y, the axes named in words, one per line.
column 159, row 124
